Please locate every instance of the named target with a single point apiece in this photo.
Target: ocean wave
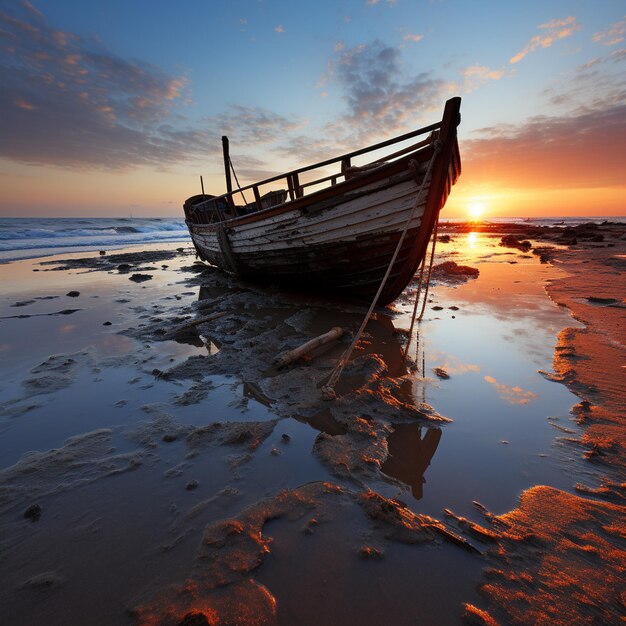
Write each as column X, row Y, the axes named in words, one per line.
column 46, row 234
column 13, row 230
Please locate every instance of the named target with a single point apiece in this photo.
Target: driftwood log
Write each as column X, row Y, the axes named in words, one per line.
column 293, row 355
column 197, row 322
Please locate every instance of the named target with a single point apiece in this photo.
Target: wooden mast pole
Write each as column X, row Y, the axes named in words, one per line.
column 229, row 184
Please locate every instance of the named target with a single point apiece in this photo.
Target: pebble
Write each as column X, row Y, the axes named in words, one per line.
column 441, row 373
column 73, row 294
column 33, row 512
column 192, row 484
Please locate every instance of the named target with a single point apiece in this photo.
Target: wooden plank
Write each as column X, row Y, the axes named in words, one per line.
column 350, row 155
column 292, row 191
column 257, row 197
column 296, row 185
column 293, row 355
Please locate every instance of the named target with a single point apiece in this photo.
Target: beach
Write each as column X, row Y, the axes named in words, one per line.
column 159, row 467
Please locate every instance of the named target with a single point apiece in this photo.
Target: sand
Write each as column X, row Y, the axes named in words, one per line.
column 195, row 467
column 561, row 558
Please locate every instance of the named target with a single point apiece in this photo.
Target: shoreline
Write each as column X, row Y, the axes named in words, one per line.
column 351, row 451
column 526, row 584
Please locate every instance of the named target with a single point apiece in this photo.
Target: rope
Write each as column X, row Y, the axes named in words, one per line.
column 232, row 167
column 430, row 269
column 417, row 297
column 329, row 388
column 419, row 288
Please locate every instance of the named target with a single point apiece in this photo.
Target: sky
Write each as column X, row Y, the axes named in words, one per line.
column 116, row 108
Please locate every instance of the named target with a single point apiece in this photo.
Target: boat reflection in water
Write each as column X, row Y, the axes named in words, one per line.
column 411, row 449
column 411, row 446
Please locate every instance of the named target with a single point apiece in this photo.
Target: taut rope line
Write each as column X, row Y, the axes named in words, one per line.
column 419, row 288
column 329, row 388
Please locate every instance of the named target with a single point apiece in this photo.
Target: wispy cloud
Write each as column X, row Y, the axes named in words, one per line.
column 252, row 125
column 550, row 32
column 476, row 75
column 412, row 37
column 279, row 29
column 512, row 394
column 379, row 98
column 67, row 101
column 612, row 35
column 582, row 148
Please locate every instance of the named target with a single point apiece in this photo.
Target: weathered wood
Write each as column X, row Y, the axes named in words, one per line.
column 293, row 355
column 349, row 156
column 225, row 150
column 257, row 196
column 292, row 187
column 197, row 322
column 296, row 185
column 341, row 237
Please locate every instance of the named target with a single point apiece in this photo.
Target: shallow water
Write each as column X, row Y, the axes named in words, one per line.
column 143, row 525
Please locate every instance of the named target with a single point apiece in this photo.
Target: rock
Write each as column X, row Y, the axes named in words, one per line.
column 140, row 278
column 168, row 438
column 450, row 270
column 596, row 300
column 510, row 241
column 102, row 252
column 192, row 484
column 194, row 619
column 369, row 552
column 441, row 373
column 106, row 324
column 73, row 294
column 285, row 437
column 444, row 238
column 33, row 512
column 437, row 308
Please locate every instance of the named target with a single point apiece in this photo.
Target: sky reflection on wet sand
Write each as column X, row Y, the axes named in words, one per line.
column 499, row 442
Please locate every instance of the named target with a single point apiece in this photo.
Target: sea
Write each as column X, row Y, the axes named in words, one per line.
column 32, row 237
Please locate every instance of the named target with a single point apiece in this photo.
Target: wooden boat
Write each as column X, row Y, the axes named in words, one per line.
column 337, row 233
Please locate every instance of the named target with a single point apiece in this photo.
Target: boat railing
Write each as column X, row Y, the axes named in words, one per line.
column 221, row 208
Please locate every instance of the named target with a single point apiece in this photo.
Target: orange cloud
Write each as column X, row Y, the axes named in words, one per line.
column 555, row 30
column 513, row 395
column 22, row 104
column 612, row 35
column 476, row 75
column 582, row 149
column 411, row 37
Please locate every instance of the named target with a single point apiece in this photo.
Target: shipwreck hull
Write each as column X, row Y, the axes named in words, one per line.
column 342, row 238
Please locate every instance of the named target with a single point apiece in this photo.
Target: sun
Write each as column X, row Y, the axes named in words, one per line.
column 476, row 210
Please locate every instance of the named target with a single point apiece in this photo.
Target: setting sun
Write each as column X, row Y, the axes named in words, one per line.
column 476, row 210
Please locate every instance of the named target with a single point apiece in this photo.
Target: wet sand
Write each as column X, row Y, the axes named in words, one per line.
column 155, row 472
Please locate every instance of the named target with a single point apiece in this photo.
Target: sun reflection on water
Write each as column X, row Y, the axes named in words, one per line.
column 472, row 240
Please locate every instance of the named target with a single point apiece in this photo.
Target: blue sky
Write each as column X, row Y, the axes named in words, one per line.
column 133, row 96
